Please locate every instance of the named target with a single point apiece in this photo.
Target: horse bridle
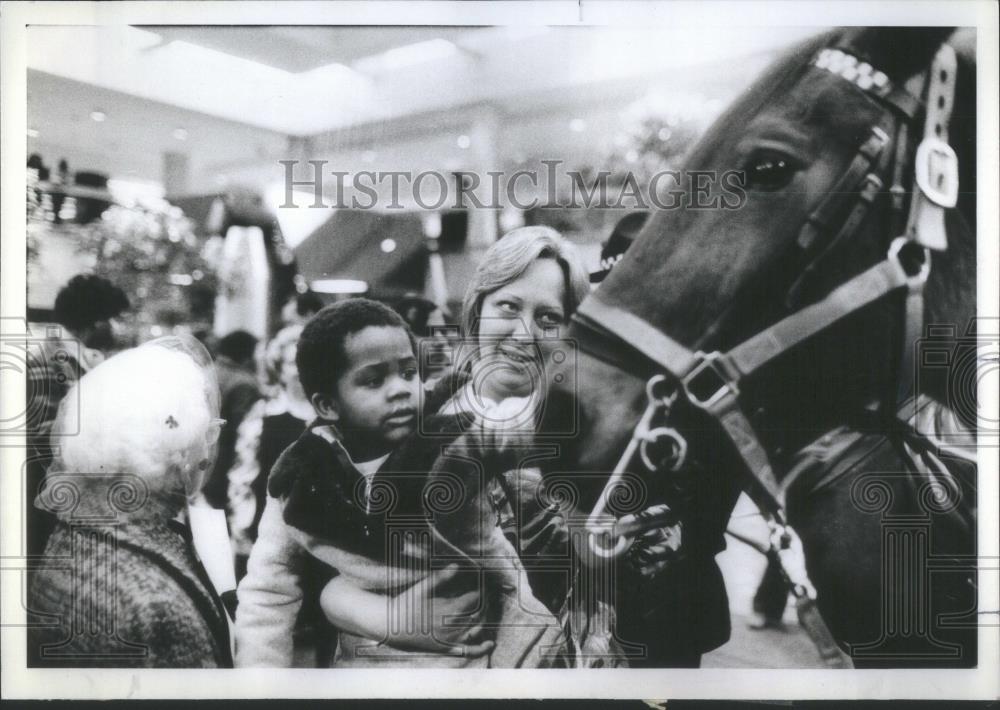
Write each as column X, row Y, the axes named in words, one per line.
column 711, row 381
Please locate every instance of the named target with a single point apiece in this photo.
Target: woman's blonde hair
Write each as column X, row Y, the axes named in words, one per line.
column 510, row 257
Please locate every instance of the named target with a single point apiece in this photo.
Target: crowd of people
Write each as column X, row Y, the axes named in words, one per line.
column 374, row 516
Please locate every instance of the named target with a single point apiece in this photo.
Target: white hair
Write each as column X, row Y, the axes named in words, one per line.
column 148, row 412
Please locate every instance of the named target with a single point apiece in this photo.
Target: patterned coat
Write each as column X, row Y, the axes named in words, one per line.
column 129, row 595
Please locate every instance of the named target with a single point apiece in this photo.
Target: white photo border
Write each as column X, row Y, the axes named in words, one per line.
column 19, row 682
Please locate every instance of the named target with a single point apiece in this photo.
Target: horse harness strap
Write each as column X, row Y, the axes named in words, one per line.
column 710, row 381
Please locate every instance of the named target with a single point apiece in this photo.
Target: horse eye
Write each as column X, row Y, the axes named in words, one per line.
column 770, row 171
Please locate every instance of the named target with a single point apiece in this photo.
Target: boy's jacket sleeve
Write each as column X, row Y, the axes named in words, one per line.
column 270, row 595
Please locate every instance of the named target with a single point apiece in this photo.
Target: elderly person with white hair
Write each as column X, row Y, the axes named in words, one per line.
column 121, row 583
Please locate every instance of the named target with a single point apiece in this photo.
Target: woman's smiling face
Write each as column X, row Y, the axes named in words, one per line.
column 516, row 322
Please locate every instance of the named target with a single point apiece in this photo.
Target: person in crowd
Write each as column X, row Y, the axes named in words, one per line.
column 351, row 493
column 131, row 590
column 300, row 308
column 236, row 371
column 425, row 319
column 271, row 426
column 514, row 316
column 86, row 310
column 770, row 599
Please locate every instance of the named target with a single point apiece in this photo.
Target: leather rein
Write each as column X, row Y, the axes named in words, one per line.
column 710, row 381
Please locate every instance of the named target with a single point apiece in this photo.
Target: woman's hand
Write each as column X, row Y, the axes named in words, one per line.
column 368, row 614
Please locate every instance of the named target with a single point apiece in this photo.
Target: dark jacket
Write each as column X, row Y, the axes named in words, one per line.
column 324, row 494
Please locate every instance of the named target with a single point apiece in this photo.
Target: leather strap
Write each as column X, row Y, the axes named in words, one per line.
column 629, row 328
column 936, row 166
column 822, row 217
column 768, row 493
column 862, row 290
column 812, row 621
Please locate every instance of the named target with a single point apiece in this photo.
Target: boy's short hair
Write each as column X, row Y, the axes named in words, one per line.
column 320, row 356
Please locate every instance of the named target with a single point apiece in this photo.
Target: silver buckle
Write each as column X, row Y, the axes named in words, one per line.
column 936, row 168
column 695, row 389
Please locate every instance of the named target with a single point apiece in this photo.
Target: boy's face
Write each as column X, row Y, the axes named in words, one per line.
column 375, row 405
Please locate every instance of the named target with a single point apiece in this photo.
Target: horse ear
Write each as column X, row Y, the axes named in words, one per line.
column 900, row 52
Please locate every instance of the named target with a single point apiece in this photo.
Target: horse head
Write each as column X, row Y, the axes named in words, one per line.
column 826, row 144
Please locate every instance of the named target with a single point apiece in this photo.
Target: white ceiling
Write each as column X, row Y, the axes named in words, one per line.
column 298, row 49
column 423, row 69
column 365, row 98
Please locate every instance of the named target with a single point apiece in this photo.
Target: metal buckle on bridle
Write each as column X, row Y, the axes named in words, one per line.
column 708, row 382
column 936, row 172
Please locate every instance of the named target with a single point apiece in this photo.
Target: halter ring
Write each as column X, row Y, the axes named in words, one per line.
column 678, row 445
column 918, row 279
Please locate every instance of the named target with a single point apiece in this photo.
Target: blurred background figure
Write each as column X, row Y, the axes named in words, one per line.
column 426, row 320
column 770, row 600
column 300, row 308
column 85, row 311
column 256, row 268
column 270, row 426
column 235, row 369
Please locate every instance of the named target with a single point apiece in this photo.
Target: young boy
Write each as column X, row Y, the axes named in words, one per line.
column 357, row 493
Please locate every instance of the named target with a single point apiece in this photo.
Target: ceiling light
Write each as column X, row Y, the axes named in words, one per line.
column 463, row 141
column 32, row 133
column 339, row 286
column 180, row 134
column 577, row 125
column 98, row 116
column 388, row 245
